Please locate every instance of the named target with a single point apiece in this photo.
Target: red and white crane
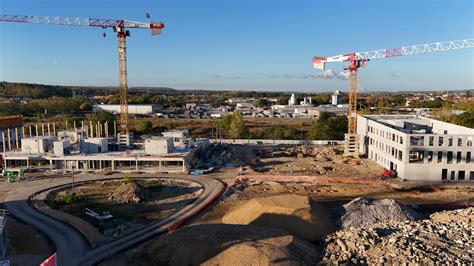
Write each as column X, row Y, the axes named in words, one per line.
column 357, row 60
column 119, row 26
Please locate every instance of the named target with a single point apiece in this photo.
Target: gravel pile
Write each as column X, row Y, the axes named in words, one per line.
column 129, row 193
column 363, row 212
column 446, row 238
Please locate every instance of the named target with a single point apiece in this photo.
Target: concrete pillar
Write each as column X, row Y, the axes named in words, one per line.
column 97, row 131
column 82, row 124
column 106, row 129
column 51, row 164
column 66, row 124
column 100, row 165
column 49, row 130
column 74, row 124
column 54, row 128
column 42, row 129
column 31, row 134
column 92, row 129
column 112, row 164
column 115, row 129
column 9, row 138
column 27, row 163
column 159, row 163
column 3, row 142
column 17, row 139
column 23, row 132
column 184, row 167
column 36, row 126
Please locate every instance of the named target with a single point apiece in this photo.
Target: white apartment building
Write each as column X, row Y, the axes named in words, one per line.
column 418, row 148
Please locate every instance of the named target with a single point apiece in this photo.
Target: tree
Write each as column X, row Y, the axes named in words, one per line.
column 237, row 128
column 329, row 127
column 465, row 119
column 283, row 99
column 262, row 102
column 144, row 127
column 86, row 106
column 279, row 132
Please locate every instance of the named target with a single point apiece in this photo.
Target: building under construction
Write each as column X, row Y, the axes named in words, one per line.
column 89, row 148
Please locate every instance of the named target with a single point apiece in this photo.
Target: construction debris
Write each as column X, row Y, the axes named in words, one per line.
column 129, row 192
column 363, row 212
column 446, row 238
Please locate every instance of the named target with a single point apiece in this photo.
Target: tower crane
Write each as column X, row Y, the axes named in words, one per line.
column 120, row 27
column 360, row 59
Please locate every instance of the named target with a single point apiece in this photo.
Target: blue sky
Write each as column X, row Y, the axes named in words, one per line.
column 240, row 45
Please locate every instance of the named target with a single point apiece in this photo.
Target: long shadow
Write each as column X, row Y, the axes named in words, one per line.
column 214, row 239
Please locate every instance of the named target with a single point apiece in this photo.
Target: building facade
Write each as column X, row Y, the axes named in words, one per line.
column 133, row 109
column 418, row 148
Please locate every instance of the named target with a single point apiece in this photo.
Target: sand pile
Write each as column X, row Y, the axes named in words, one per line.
column 296, row 214
column 129, row 193
column 218, row 244
column 363, row 212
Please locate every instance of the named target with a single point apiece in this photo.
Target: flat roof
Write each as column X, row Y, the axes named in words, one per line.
column 415, row 124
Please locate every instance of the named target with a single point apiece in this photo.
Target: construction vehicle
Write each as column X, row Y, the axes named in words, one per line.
column 360, row 59
column 120, row 27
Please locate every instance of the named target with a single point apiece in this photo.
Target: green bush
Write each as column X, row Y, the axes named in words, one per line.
column 68, row 198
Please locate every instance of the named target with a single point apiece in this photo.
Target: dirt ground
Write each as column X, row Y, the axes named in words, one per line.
column 27, row 246
column 164, row 198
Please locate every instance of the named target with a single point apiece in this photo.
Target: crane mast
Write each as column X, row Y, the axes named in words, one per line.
column 120, row 27
column 359, row 59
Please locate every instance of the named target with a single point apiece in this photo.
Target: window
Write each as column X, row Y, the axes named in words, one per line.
column 430, row 156
column 469, row 142
column 431, row 140
column 468, row 157
column 453, row 175
column 440, row 156
column 400, row 155
column 461, row 175
column 450, row 141
column 393, row 137
column 450, row 157
column 458, row 157
column 417, row 140
column 459, row 142
column 444, row 174
column 416, row 157
column 440, row 141
column 401, row 140
column 471, row 175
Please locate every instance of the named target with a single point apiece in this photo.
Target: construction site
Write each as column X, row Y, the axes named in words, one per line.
column 94, row 193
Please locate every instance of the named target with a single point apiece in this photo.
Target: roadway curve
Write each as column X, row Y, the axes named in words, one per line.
column 72, row 247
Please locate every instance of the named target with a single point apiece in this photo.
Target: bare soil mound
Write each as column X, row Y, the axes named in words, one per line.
column 219, row 244
column 364, row 212
column 129, row 192
column 299, row 215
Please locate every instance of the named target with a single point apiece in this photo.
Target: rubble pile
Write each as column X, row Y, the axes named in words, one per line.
column 319, row 153
column 363, row 212
column 446, row 238
column 129, row 192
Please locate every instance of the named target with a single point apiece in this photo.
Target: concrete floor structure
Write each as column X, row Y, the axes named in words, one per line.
column 418, row 148
column 51, row 152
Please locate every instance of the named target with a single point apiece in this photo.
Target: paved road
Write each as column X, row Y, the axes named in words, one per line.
column 72, row 247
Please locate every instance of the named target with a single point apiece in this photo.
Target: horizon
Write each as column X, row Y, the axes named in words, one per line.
column 256, row 46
